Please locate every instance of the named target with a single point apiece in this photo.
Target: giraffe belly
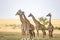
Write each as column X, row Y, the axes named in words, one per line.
column 38, row 28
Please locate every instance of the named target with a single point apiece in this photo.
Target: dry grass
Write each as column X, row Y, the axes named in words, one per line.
column 18, row 36
column 55, row 22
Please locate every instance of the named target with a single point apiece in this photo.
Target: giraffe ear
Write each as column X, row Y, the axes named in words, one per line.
column 46, row 15
column 29, row 15
column 16, row 14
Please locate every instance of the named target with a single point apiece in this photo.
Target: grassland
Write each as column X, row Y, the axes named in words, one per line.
column 10, row 30
column 18, row 36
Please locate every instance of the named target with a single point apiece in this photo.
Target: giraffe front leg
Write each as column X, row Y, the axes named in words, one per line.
column 33, row 33
column 51, row 34
column 38, row 33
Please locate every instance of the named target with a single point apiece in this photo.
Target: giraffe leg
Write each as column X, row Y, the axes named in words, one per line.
column 33, row 34
column 44, row 34
column 23, row 32
column 27, row 32
column 38, row 33
column 51, row 34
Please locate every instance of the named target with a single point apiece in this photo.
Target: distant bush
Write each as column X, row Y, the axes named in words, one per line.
column 57, row 28
column 14, row 26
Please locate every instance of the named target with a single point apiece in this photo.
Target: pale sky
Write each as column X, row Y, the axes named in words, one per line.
column 38, row 8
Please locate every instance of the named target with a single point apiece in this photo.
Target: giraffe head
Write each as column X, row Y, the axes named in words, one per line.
column 48, row 14
column 23, row 13
column 30, row 15
column 19, row 12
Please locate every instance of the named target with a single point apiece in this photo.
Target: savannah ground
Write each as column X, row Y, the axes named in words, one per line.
column 18, row 36
column 10, row 30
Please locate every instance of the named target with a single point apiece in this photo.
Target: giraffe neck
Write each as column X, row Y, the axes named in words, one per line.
column 50, row 20
column 26, row 19
column 21, row 18
column 35, row 21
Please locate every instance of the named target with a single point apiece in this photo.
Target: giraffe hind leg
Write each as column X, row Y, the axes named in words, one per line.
column 33, row 34
column 44, row 34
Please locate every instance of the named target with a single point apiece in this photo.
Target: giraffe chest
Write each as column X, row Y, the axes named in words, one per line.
column 50, row 28
column 23, row 27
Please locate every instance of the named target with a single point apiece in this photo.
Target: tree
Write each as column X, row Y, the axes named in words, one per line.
column 43, row 20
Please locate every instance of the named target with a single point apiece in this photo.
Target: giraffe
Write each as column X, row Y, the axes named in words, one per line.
column 39, row 26
column 30, row 27
column 50, row 26
column 23, row 25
